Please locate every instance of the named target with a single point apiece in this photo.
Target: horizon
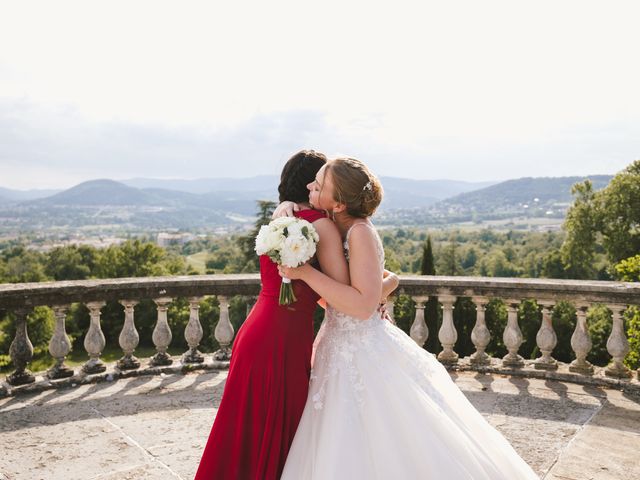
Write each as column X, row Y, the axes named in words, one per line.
column 424, row 90
column 132, row 179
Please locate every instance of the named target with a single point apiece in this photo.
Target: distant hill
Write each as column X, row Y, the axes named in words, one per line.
column 523, row 191
column 518, row 201
column 11, row 195
column 101, row 192
column 207, row 185
column 407, row 193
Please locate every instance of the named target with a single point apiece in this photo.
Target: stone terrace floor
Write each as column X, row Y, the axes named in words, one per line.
column 155, row 427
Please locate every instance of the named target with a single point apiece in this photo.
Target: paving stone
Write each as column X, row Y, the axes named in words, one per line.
column 155, row 427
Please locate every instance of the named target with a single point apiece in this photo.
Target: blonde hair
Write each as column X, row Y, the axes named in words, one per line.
column 355, row 186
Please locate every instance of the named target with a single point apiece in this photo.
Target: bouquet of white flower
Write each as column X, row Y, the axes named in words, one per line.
column 288, row 241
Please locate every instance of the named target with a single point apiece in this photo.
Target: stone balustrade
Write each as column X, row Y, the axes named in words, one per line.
column 22, row 298
column 617, row 296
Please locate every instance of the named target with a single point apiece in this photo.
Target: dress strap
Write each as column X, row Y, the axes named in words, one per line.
column 346, row 238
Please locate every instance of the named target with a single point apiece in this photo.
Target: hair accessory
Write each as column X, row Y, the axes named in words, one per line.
column 368, row 186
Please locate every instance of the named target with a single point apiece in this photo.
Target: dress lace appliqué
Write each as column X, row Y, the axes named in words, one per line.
column 339, row 339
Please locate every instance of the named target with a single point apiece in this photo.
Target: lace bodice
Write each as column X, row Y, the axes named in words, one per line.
column 341, row 335
column 342, row 320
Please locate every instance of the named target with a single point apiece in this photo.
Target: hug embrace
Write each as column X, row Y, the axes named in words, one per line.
column 362, row 400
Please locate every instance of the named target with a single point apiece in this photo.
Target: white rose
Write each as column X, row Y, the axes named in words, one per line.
column 261, row 240
column 311, row 249
column 295, row 229
column 282, row 222
column 268, row 239
column 294, row 251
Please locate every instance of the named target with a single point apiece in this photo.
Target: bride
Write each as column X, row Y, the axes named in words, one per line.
column 379, row 406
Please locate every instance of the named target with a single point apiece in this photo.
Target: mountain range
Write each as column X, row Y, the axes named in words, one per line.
column 188, row 204
column 222, row 193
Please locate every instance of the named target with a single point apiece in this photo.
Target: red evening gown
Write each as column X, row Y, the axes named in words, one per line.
column 267, row 384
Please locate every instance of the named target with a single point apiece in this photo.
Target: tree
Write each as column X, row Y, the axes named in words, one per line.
column 577, row 251
column 428, row 266
column 608, row 218
column 496, row 264
column 69, row 263
column 619, row 214
column 134, row 258
column 450, row 264
column 628, row 270
column 470, row 259
column 553, row 266
column 431, row 310
column 22, row 265
column 247, row 242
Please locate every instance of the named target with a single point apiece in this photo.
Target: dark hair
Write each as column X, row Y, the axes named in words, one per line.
column 300, row 170
column 355, row 186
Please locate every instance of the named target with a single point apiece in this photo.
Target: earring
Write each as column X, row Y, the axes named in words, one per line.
column 333, row 215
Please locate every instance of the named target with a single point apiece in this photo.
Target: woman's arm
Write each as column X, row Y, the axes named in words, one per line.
column 329, row 251
column 362, row 297
column 285, row 209
column 390, row 282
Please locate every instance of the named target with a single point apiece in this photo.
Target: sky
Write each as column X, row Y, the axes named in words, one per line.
column 465, row 90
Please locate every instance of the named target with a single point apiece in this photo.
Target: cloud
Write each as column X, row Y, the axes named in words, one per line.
column 57, row 147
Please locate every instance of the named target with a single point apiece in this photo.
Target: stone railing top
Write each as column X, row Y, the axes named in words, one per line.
column 19, row 295
column 519, row 288
column 60, row 293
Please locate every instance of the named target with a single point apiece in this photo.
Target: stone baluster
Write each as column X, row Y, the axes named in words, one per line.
column 224, row 331
column 581, row 343
column 419, row 331
column 161, row 334
column 480, row 335
column 94, row 341
column 512, row 336
column 447, row 333
column 21, row 351
column 617, row 344
column 59, row 345
column 128, row 338
column 546, row 339
column 193, row 333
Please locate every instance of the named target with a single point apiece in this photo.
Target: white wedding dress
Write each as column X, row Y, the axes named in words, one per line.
column 381, row 407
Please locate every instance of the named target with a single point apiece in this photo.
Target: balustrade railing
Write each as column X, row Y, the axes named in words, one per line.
column 22, row 298
column 617, row 296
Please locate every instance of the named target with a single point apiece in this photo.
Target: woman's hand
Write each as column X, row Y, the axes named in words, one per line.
column 384, row 313
column 285, row 209
column 294, row 273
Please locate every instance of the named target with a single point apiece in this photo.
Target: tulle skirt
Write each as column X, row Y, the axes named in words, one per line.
column 381, row 407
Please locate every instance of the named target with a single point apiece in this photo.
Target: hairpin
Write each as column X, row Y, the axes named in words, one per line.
column 368, row 186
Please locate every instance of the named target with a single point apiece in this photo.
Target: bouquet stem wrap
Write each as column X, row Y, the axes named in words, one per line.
column 287, row 296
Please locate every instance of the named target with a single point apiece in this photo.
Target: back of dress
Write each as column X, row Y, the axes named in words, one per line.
column 271, row 279
column 267, row 383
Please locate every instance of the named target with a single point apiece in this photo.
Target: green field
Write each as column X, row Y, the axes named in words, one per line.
column 197, row 261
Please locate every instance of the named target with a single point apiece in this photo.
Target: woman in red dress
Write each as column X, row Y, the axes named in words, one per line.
column 268, row 380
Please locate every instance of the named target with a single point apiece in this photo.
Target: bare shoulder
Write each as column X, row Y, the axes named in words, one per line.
column 326, row 228
column 363, row 235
